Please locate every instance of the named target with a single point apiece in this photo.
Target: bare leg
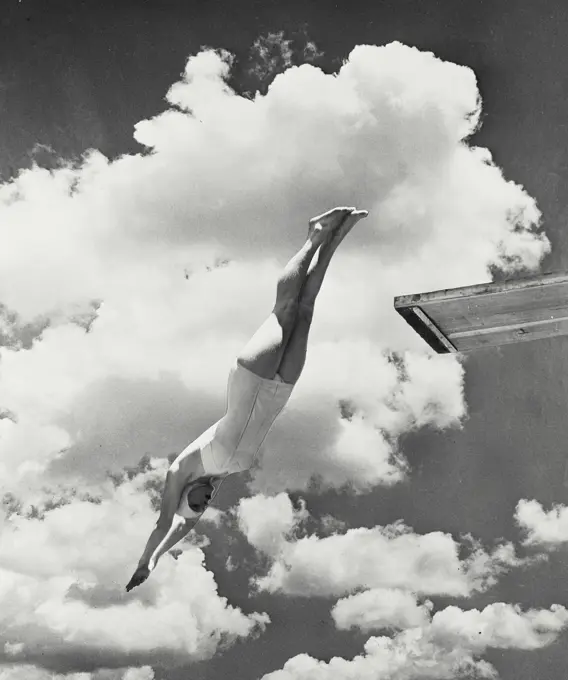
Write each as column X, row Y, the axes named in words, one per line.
column 263, row 353
column 294, row 356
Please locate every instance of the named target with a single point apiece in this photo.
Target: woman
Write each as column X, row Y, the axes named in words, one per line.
column 260, row 384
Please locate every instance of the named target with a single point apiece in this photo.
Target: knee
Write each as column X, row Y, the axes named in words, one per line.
column 286, row 288
column 286, row 312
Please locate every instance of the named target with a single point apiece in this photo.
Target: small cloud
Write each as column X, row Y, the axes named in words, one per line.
column 13, row 648
column 311, row 52
column 380, row 608
column 267, row 521
column 331, row 524
column 548, row 529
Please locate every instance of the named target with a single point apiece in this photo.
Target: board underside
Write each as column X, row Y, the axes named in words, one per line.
column 489, row 314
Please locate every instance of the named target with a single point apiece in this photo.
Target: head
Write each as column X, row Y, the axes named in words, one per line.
column 198, row 494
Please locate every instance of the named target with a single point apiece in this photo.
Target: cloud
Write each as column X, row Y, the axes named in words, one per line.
column 62, row 580
column 447, row 647
column 146, row 234
column 380, row 608
column 383, row 557
column 27, row 672
column 311, row 52
column 331, row 525
column 544, row 528
column 499, row 625
column 387, row 396
column 393, row 115
column 268, row 521
column 128, row 286
column 273, row 53
column 405, row 656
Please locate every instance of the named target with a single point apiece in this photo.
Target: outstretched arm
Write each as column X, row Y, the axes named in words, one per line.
column 164, row 529
column 159, row 543
column 175, row 520
column 179, row 528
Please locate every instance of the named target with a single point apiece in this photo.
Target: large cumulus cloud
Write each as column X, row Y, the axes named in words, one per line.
column 228, row 178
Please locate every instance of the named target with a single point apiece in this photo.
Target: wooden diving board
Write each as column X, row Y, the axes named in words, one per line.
column 489, row 314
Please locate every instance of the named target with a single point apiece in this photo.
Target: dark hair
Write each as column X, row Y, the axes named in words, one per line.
column 207, row 483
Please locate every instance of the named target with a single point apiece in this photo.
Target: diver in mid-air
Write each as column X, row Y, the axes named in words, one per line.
column 260, row 384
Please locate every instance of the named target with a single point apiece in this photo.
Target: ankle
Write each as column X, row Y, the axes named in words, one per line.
column 317, row 237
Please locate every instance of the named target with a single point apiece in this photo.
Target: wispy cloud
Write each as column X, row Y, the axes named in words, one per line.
column 276, row 51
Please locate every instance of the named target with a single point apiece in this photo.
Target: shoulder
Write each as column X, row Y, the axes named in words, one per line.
column 187, row 465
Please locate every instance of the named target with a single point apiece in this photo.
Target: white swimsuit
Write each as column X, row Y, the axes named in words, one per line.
column 232, row 443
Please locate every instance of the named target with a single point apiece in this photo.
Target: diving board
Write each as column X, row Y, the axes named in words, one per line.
column 489, row 314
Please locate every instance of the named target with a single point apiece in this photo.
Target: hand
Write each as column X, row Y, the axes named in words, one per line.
column 139, row 576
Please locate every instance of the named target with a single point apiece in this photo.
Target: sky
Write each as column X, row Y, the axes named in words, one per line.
column 159, row 161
